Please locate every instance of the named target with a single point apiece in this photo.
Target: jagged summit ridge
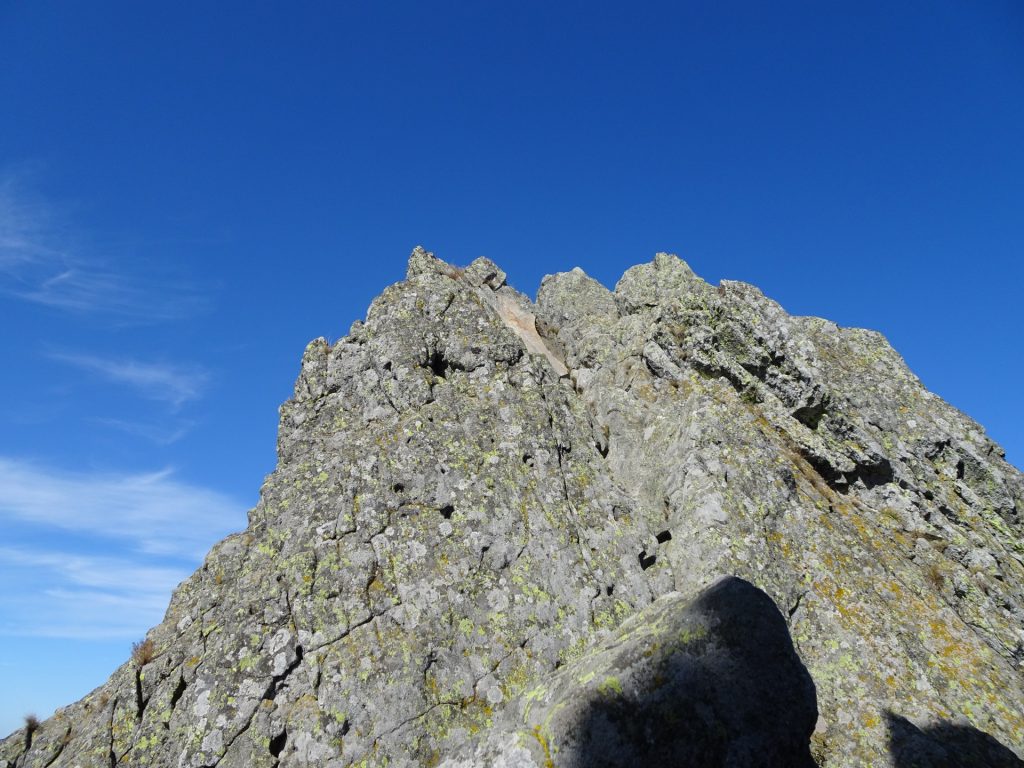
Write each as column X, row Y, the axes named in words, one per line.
column 478, row 495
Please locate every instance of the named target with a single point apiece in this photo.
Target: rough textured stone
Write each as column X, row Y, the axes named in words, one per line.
column 475, row 493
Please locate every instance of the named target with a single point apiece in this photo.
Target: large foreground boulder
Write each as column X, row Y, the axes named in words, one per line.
column 704, row 681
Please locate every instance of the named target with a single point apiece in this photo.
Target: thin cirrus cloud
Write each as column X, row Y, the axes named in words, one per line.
column 24, row 229
column 153, row 513
column 155, row 433
column 87, row 290
column 139, row 535
column 39, row 263
column 173, row 384
column 63, row 594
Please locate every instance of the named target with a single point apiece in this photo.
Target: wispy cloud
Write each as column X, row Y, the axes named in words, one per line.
column 82, row 290
column 40, row 264
column 102, row 573
column 151, row 513
column 155, row 433
column 26, row 233
column 167, row 383
column 143, row 534
column 63, row 594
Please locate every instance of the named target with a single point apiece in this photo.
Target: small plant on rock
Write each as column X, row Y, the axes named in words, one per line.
column 143, row 653
column 936, row 576
column 31, row 726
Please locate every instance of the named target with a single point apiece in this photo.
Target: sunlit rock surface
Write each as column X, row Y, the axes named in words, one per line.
column 486, row 507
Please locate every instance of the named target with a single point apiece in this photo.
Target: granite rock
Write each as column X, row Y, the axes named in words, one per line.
column 478, row 496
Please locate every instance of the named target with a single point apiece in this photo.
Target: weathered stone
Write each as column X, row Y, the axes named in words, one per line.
column 476, row 492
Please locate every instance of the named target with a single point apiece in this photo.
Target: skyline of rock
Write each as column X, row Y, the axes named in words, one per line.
column 476, row 492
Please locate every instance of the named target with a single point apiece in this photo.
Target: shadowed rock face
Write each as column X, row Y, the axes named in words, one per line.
column 721, row 685
column 475, row 493
column 946, row 745
column 705, row 681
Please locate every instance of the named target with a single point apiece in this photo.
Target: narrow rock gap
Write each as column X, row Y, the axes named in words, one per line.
column 795, row 606
column 178, row 692
column 110, row 728
column 439, row 365
column 277, row 743
column 140, row 704
column 277, row 682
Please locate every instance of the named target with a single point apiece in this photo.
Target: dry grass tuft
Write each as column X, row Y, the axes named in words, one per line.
column 935, row 575
column 143, row 653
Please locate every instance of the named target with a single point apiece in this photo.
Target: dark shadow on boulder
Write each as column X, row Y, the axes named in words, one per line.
column 725, row 688
column 945, row 745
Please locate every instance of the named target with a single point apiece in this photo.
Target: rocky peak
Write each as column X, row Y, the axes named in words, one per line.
column 668, row 523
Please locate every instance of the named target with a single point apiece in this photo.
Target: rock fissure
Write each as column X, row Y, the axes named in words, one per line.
column 140, row 702
column 231, row 742
column 61, row 744
column 111, row 756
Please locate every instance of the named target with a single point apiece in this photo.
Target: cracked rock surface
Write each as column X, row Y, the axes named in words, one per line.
column 481, row 500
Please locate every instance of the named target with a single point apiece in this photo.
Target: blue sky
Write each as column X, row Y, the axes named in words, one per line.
column 189, row 192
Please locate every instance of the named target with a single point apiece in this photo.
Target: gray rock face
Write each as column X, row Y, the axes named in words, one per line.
column 485, row 508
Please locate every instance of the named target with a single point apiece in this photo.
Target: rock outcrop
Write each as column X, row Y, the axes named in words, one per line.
column 497, row 533
column 709, row 681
